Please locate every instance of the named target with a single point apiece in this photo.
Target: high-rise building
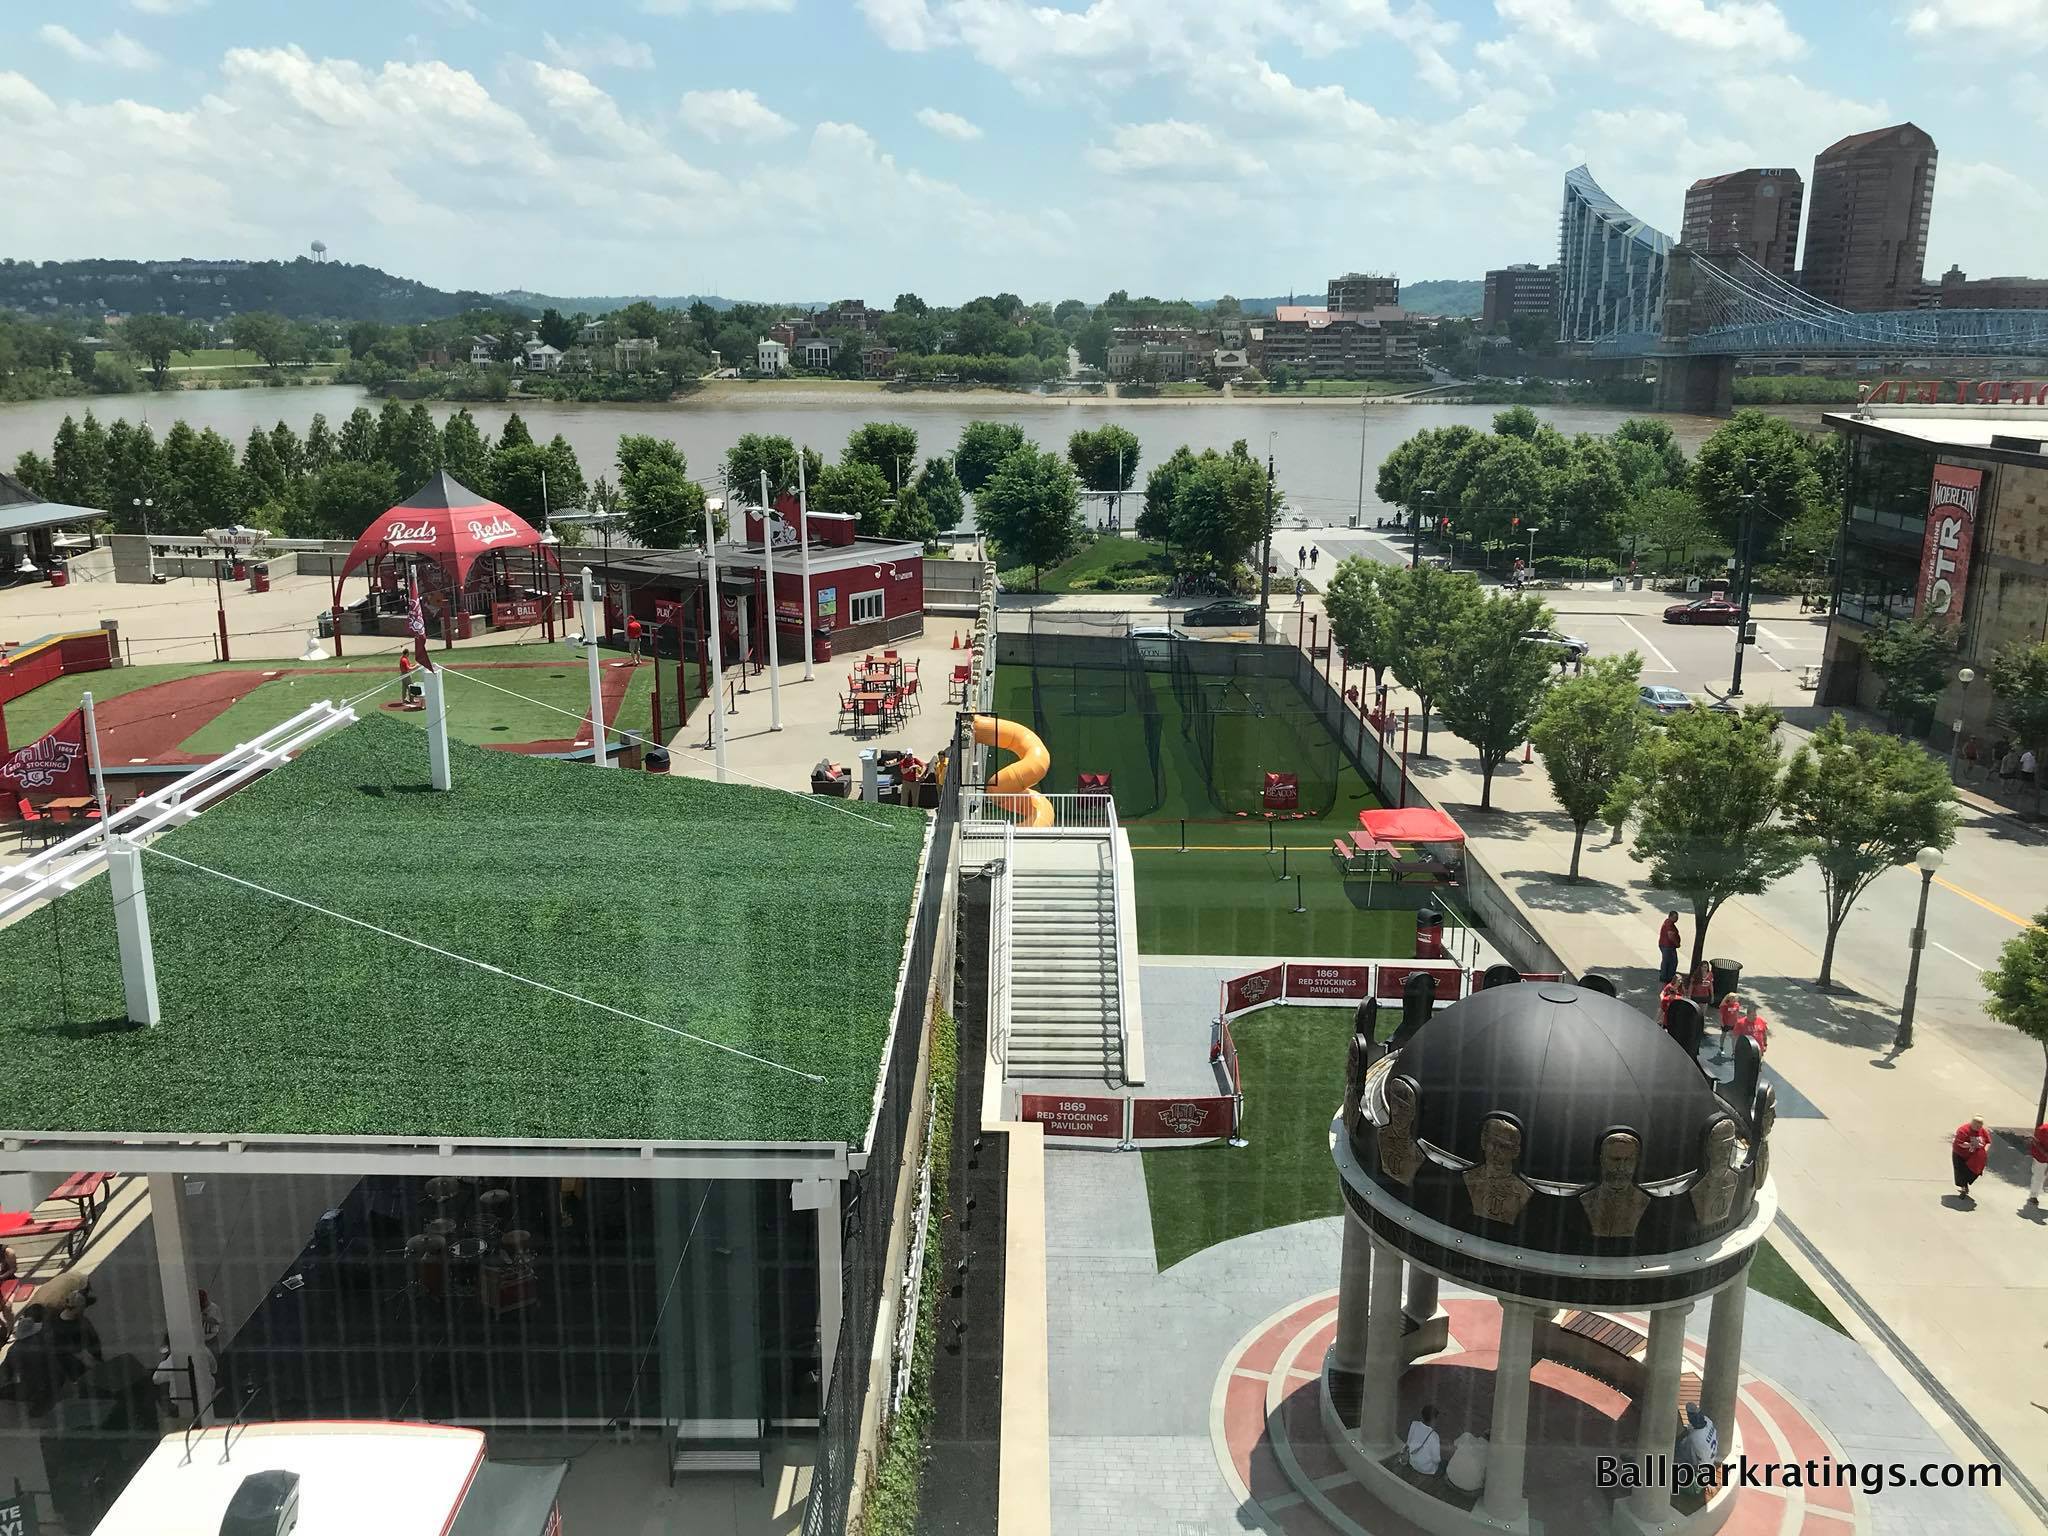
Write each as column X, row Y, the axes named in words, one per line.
column 1754, row 212
column 1611, row 266
column 1513, row 293
column 1363, row 292
column 1866, row 226
column 1958, row 290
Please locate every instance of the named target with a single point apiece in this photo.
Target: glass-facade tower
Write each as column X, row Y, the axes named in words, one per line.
column 1611, row 266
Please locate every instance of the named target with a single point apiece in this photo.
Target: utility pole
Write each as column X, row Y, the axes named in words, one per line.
column 1266, row 552
column 1415, row 548
column 1358, row 521
column 1742, row 583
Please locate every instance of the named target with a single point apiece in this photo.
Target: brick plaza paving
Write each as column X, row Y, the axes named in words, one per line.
column 1140, row 1441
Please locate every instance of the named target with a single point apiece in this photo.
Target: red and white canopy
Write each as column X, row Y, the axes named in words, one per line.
column 448, row 523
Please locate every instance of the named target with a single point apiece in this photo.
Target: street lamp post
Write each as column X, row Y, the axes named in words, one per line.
column 1742, row 593
column 1929, row 860
column 142, row 504
column 1966, row 677
column 1415, row 548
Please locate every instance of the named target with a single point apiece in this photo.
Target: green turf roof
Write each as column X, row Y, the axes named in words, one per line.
column 764, row 920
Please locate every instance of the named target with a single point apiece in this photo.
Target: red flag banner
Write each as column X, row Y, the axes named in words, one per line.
column 1254, row 989
column 1449, row 980
column 53, row 767
column 1945, row 553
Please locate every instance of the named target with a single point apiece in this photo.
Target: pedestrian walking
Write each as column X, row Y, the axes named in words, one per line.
column 1731, row 1021
column 1752, row 1026
column 1972, row 751
column 1314, row 555
column 2027, row 766
column 1668, row 994
column 1667, row 948
column 1301, row 554
column 2037, row 1149
column 633, row 637
column 1969, row 1151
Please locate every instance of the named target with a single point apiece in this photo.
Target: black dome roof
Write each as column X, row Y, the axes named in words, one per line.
column 1569, row 1065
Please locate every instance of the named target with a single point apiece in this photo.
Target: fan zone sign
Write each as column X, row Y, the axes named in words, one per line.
column 1945, row 553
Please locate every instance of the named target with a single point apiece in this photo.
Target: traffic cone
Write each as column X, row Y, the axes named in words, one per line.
column 956, row 639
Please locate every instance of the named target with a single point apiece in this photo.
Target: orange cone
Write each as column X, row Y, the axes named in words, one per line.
column 956, row 639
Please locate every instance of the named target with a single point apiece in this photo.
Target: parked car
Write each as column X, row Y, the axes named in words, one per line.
column 1155, row 644
column 1704, row 610
column 1224, row 615
column 1570, row 647
column 1663, row 700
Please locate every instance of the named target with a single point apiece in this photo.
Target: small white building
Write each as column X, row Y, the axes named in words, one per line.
column 771, row 356
column 633, row 353
column 539, row 357
column 596, row 333
column 818, row 351
column 483, row 349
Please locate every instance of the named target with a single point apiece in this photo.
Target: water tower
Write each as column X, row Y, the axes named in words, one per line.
column 319, row 250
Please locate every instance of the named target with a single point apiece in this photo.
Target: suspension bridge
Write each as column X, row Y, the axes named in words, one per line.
column 1696, row 312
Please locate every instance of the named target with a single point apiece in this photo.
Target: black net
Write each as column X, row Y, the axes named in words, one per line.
column 871, row 1194
column 672, row 710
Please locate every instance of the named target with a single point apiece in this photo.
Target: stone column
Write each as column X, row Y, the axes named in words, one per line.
column 1354, row 1299
column 1383, row 1355
column 1650, row 1506
column 1421, row 1294
column 1724, row 1359
column 1508, row 1447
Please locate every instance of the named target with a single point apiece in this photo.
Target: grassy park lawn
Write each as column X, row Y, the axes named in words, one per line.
column 242, row 357
column 476, row 713
column 1232, row 901
column 1114, row 557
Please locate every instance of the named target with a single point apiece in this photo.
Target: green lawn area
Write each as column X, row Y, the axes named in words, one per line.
column 1293, row 1063
column 1233, row 902
column 1350, row 387
column 1109, row 556
column 242, row 357
column 689, row 906
column 475, row 713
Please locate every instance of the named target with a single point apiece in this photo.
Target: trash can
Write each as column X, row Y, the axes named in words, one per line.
column 239, row 571
column 1636, row 582
column 1429, row 934
column 259, row 576
column 1727, row 977
column 655, row 759
column 821, row 645
column 60, row 574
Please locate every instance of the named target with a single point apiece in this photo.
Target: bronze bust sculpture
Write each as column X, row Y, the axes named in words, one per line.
column 1616, row 1203
column 1713, row 1194
column 1400, row 1156
column 1497, row 1191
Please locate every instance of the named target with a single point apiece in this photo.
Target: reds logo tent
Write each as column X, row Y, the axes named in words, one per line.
column 463, row 539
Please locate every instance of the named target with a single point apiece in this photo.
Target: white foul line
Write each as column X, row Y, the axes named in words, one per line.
column 1666, row 660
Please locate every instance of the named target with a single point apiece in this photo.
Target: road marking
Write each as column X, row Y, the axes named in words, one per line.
column 1989, row 906
column 1763, row 655
column 1782, row 643
column 1973, row 965
column 1661, row 657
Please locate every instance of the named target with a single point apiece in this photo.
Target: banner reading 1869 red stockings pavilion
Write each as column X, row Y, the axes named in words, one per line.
column 1945, row 556
column 53, row 766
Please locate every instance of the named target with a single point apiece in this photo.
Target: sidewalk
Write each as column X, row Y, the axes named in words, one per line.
column 1950, row 1299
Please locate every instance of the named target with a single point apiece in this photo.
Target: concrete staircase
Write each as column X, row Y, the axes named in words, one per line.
column 1065, row 998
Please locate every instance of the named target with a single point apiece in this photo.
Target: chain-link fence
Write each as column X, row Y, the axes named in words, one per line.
column 871, row 1194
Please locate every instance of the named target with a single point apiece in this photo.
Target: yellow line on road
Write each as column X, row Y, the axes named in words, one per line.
column 1989, row 906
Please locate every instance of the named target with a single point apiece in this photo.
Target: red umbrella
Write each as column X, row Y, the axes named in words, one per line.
column 448, row 523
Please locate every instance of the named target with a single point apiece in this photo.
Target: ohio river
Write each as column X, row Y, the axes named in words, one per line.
column 1316, row 447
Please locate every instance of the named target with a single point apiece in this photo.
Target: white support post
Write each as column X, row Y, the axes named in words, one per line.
column 870, row 776
column 768, row 619
column 1504, row 1503
column 803, row 517
column 182, row 1322
column 92, row 757
column 1723, row 1373
column 1649, row 1507
column 434, row 687
column 1380, row 1403
column 714, row 615
column 1354, row 1297
column 131, row 931
column 601, row 753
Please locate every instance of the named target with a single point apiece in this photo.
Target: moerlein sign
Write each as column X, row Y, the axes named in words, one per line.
column 1953, row 392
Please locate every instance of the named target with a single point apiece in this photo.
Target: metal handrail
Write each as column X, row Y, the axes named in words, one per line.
column 1094, row 813
column 1000, row 902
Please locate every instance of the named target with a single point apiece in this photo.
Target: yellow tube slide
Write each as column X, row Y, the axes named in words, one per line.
column 1014, row 781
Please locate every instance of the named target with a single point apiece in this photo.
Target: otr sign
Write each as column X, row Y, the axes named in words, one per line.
column 1954, row 392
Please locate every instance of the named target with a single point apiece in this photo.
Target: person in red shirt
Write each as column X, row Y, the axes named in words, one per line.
column 1969, row 1151
column 408, row 690
column 633, row 636
column 1731, row 1021
column 1753, row 1027
column 1667, row 948
column 2037, row 1149
column 1670, row 993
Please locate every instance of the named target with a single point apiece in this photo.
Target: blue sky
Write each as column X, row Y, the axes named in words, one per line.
column 819, row 148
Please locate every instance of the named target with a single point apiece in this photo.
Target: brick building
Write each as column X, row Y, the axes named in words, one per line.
column 1518, row 291
column 1336, row 344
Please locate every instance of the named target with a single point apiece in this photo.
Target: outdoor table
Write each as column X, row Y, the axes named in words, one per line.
column 88, row 1192
column 71, row 803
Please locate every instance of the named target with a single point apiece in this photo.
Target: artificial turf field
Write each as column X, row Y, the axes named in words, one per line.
column 686, row 905
column 1224, row 895
column 557, row 694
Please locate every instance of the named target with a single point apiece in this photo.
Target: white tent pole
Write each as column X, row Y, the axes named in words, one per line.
column 603, row 756
column 92, row 756
column 803, row 517
column 714, row 612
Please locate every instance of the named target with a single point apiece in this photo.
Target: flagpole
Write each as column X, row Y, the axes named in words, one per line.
column 774, row 635
column 803, row 519
column 92, row 756
column 600, row 748
column 714, row 612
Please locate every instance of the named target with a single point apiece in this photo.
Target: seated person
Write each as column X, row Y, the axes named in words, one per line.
column 1424, row 1448
column 1699, row 1444
column 1467, row 1471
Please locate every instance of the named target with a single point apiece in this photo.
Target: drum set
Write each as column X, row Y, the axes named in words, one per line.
column 471, row 1246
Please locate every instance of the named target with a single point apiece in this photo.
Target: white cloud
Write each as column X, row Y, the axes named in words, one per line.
column 947, row 125
column 716, row 7
column 117, row 50
column 1189, row 149
column 1747, row 27
column 733, row 116
column 598, row 50
column 21, row 97
column 2015, row 23
column 167, row 7
column 454, row 10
